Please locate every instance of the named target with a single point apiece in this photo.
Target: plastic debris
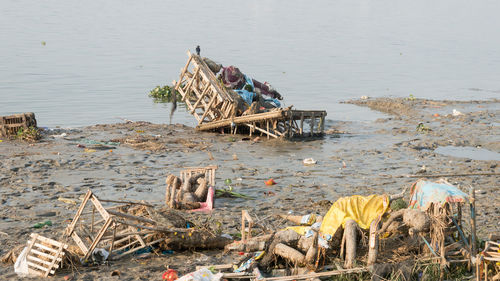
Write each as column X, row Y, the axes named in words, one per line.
column 456, row 113
column 309, row 161
column 270, row 182
column 170, row 275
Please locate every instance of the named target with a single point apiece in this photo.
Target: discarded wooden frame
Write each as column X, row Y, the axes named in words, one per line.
column 246, row 232
column 213, row 107
column 10, row 125
column 208, row 171
column 114, row 228
column 44, row 255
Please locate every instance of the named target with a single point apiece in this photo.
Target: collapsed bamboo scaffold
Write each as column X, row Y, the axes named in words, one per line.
column 215, row 108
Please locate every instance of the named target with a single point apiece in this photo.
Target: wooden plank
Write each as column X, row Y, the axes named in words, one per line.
column 177, row 85
column 138, row 248
column 208, row 110
column 203, row 94
column 240, row 120
column 49, row 241
column 44, row 254
column 98, row 237
column 49, row 263
column 79, row 243
column 312, row 124
column 99, row 207
column 264, row 131
column 71, row 227
column 37, row 266
column 41, row 246
column 323, row 122
column 188, row 86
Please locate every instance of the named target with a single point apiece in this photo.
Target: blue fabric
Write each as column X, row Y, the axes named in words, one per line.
column 424, row 192
column 246, row 95
column 275, row 101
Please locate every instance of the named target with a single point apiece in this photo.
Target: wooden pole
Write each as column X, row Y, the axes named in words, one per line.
column 472, row 199
column 373, row 242
column 350, row 233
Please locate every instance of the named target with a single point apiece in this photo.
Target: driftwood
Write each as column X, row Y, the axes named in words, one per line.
column 251, row 244
column 312, row 252
column 417, row 220
column 373, row 242
column 186, row 195
column 289, row 253
column 288, row 237
column 350, row 233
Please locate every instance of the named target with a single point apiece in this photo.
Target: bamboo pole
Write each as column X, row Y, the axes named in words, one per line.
column 472, row 203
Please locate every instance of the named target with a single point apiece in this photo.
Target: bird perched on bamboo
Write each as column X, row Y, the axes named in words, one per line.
column 198, row 50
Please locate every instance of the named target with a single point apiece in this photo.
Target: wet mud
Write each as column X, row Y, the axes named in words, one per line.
column 131, row 161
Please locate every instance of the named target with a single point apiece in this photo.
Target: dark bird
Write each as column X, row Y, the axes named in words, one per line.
column 174, row 102
column 198, row 50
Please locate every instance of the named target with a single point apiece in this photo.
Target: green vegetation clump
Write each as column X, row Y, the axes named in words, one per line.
column 398, row 204
column 163, row 94
column 30, row 134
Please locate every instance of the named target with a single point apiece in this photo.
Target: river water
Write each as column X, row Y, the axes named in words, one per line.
column 77, row 63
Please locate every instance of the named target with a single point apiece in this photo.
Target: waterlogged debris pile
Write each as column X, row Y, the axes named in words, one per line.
column 367, row 236
column 223, row 99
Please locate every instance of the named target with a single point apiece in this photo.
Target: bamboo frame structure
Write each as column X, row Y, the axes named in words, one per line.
column 215, row 107
column 209, row 172
column 44, row 255
column 113, row 229
column 246, row 232
column 9, row 125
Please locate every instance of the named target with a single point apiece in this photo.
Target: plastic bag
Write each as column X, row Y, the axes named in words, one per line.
column 201, row 275
column 21, row 265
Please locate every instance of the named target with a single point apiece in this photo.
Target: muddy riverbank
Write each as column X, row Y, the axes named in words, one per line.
column 131, row 161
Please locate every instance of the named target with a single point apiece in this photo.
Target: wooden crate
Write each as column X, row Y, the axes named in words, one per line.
column 113, row 228
column 44, row 255
column 10, row 125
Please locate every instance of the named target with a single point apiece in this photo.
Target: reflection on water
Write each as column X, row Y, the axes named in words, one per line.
column 77, row 63
column 468, row 152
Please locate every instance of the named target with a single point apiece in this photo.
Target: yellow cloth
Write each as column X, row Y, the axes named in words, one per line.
column 362, row 209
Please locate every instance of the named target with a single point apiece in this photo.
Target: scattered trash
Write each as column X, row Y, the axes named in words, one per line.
column 88, row 150
column 309, row 161
column 270, row 182
column 364, row 97
column 80, row 146
column 456, row 113
column 170, row 275
column 42, row 224
column 60, row 136
column 117, row 273
column 203, row 274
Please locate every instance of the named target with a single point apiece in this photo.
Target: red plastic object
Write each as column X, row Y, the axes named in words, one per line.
column 209, row 204
column 270, row 182
column 170, row 275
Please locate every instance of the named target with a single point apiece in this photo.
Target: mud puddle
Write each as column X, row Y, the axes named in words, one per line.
column 468, row 152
